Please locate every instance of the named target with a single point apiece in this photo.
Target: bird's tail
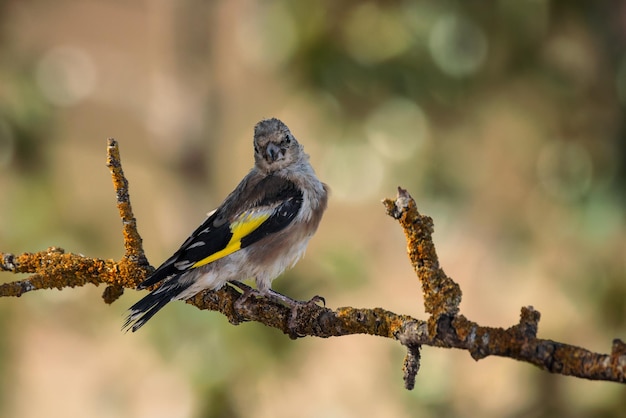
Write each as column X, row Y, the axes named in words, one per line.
column 152, row 303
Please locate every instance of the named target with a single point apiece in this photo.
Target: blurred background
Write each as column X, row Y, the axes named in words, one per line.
column 504, row 119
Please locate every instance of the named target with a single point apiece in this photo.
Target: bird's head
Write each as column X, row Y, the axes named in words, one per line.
column 275, row 148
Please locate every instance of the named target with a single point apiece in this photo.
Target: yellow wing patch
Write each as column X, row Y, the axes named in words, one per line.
column 244, row 225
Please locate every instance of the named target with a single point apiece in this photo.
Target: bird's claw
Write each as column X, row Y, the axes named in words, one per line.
column 292, row 323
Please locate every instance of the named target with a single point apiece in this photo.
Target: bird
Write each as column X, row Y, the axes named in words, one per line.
column 261, row 229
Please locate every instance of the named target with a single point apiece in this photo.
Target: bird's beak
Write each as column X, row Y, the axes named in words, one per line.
column 274, row 152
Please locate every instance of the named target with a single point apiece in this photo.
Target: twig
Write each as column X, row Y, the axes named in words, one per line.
column 133, row 248
column 134, row 261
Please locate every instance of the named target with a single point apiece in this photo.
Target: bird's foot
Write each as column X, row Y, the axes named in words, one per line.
column 295, row 305
column 247, row 292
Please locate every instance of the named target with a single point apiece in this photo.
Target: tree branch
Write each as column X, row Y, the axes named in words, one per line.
column 445, row 327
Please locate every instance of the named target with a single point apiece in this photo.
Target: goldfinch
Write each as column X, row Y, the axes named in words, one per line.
column 261, row 229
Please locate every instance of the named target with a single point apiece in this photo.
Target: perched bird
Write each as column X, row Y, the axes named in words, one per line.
column 262, row 228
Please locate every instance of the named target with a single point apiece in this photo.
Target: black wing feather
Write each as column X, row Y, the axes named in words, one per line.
column 152, row 303
column 215, row 231
column 279, row 220
column 291, row 197
column 214, row 238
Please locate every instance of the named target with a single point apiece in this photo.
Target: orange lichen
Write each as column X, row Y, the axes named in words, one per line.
column 441, row 294
column 54, row 268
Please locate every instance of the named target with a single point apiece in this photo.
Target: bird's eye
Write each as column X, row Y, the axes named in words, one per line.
column 287, row 140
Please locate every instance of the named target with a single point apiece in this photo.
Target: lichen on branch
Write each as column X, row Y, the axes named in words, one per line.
column 445, row 326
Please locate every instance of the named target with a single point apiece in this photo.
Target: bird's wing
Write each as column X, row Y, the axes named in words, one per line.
column 243, row 219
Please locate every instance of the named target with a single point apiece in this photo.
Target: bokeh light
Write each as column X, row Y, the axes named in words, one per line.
column 458, row 46
column 397, row 128
column 266, row 35
column 355, row 171
column 66, row 75
column 565, row 170
column 374, row 34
